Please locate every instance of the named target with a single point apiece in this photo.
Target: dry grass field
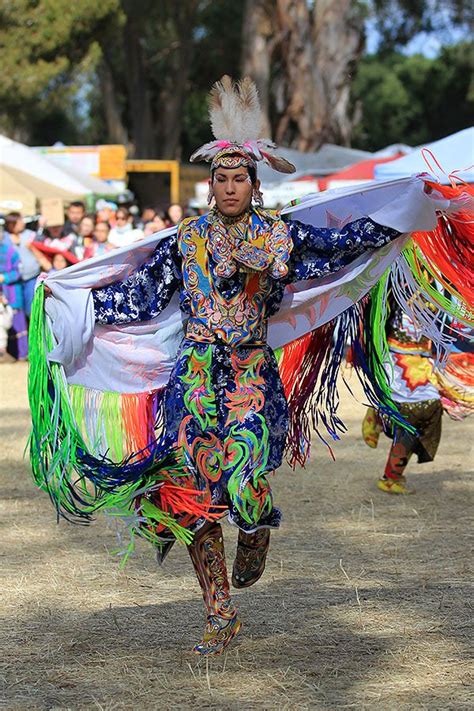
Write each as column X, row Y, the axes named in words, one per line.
column 365, row 604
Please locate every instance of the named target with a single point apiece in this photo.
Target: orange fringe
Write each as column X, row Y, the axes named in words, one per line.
column 449, row 249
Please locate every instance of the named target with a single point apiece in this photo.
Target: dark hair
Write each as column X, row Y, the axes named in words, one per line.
column 89, row 217
column 11, row 219
column 124, row 210
column 253, row 174
column 77, row 203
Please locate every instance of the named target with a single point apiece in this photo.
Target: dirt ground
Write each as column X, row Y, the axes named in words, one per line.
column 365, row 603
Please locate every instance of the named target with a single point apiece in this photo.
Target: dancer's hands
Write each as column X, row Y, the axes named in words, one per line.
column 47, row 290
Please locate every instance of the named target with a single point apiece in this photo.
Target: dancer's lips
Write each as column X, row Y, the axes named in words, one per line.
column 230, row 201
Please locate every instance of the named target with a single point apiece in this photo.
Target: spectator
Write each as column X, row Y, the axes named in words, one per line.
column 148, row 214
column 85, row 237
column 6, row 322
column 101, row 244
column 174, row 214
column 158, row 223
column 60, row 261
column 30, row 268
column 123, row 233
column 52, row 257
column 86, row 227
column 11, row 283
column 105, row 212
column 74, row 213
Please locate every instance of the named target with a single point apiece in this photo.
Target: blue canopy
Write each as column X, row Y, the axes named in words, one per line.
column 454, row 152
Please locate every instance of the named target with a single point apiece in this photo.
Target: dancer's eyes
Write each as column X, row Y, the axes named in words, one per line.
column 237, row 179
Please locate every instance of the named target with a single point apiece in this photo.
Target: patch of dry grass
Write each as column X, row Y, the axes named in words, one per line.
column 365, row 602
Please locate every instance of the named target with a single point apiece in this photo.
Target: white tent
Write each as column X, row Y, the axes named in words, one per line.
column 453, row 153
column 94, row 184
column 26, row 176
column 14, row 195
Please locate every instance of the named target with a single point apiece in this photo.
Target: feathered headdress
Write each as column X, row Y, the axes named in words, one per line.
column 236, row 122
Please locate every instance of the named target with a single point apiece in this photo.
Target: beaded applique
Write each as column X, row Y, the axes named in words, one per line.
column 212, row 250
column 259, row 242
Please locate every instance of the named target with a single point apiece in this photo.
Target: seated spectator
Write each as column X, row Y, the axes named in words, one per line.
column 74, row 214
column 52, row 257
column 85, row 237
column 174, row 214
column 105, row 211
column 100, row 244
column 158, row 223
column 148, row 214
column 30, row 268
column 123, row 233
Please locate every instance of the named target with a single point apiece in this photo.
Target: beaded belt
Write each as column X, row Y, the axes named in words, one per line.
column 197, row 331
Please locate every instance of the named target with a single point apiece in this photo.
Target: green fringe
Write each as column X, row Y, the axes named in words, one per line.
column 54, row 441
column 109, row 416
column 56, row 444
column 426, row 279
column 378, row 353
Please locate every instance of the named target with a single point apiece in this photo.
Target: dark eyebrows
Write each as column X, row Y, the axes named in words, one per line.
column 225, row 175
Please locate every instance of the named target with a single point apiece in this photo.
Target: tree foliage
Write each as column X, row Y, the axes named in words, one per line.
column 413, row 99
column 398, row 21
column 42, row 47
column 138, row 72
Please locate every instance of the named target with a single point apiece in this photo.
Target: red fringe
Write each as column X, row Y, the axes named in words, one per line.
column 293, row 354
column 187, row 505
column 449, row 249
column 300, row 369
column 139, row 412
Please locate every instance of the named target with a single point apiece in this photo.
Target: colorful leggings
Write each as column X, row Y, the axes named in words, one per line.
column 425, row 415
column 402, row 448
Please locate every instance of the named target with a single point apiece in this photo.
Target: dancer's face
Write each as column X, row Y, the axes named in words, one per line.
column 232, row 190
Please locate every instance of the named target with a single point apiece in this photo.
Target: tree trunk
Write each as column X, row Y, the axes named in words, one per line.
column 173, row 95
column 302, row 56
column 300, row 92
column 116, row 131
column 339, row 39
column 258, row 41
column 141, row 122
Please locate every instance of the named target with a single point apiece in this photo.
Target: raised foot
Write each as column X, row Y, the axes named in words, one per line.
column 219, row 632
column 249, row 563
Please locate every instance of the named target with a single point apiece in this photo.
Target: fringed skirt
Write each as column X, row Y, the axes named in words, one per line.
column 225, row 429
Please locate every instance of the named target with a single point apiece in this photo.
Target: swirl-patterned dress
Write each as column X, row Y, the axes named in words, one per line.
column 225, row 412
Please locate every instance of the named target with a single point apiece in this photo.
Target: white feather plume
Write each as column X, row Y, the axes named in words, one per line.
column 251, row 114
column 222, row 108
column 234, row 110
column 236, row 117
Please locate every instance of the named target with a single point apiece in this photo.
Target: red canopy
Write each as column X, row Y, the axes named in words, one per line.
column 364, row 170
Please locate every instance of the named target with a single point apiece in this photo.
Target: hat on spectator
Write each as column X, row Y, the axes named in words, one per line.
column 50, row 250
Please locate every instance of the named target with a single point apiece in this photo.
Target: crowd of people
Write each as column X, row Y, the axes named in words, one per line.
column 26, row 252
